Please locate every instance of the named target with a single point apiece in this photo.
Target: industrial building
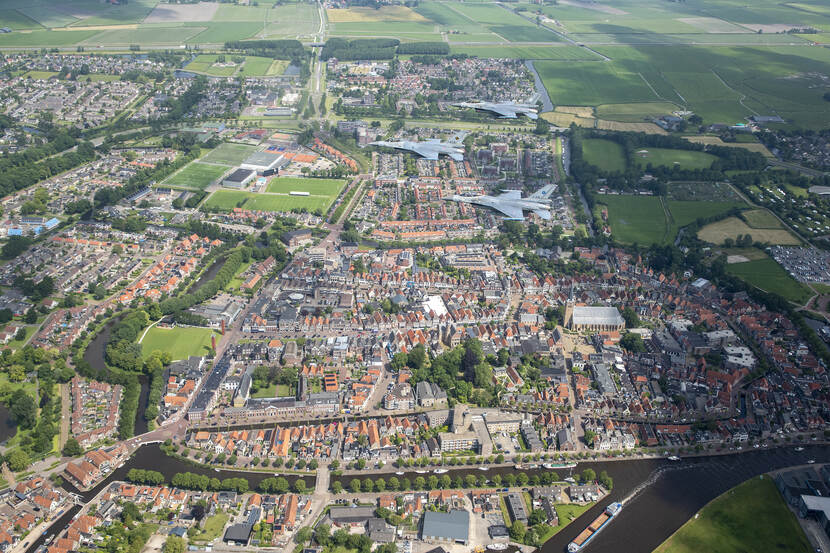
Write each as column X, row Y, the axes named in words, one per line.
column 451, row 527
column 239, row 179
column 264, row 163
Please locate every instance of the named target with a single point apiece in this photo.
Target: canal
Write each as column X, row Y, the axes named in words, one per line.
column 7, row 426
column 209, row 274
column 666, row 493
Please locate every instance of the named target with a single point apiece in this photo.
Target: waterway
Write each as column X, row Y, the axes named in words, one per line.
column 7, row 426
column 547, row 105
column 666, row 493
column 94, row 355
column 209, row 274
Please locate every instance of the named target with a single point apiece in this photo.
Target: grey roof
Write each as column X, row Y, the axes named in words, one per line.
column 238, row 533
column 454, row 525
column 239, row 175
column 597, row 316
column 351, row 514
column 262, row 159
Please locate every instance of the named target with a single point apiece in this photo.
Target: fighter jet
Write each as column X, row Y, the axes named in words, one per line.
column 505, row 110
column 512, row 205
column 429, row 149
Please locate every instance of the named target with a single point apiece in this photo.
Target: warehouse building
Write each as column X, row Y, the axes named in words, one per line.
column 239, row 179
column 264, row 163
column 451, row 527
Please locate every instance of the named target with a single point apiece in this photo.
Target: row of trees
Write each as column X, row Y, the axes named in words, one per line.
column 207, row 290
column 446, row 482
column 141, row 476
column 192, row 481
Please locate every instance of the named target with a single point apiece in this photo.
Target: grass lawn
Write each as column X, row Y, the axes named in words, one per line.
column 44, row 38
column 196, row 175
column 213, row 527
column 15, row 344
column 229, row 154
column 768, row 275
column 685, row 212
column 750, row 517
column 229, row 199
column 605, row 154
column 316, row 187
column 567, row 513
column 180, row 342
column 685, row 159
column 270, row 391
column 761, row 218
column 14, row 20
column 638, row 219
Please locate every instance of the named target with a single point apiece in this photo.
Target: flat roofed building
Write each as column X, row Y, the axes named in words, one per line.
column 458, row 441
column 602, row 319
column 451, row 527
column 238, row 179
column 264, row 162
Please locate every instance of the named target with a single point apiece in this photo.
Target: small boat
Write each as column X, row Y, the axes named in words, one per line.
column 483, row 468
column 420, row 472
column 811, row 461
column 799, row 448
column 533, row 466
column 517, row 466
column 559, row 465
column 673, row 458
column 594, row 528
column 440, row 471
column 400, row 473
column 497, row 546
column 215, row 470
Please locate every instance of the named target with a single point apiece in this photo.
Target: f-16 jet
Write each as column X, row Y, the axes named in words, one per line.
column 512, row 205
column 429, row 149
column 505, row 110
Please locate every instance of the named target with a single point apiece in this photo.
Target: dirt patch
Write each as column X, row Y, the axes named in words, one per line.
column 731, row 227
column 650, row 128
column 581, row 111
column 730, row 259
column 180, row 13
column 594, row 6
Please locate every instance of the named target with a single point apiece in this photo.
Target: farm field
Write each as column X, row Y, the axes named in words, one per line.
column 605, row 154
column 14, row 19
column 761, row 218
column 225, row 200
column 181, row 342
column 769, row 276
column 731, row 227
column 686, row 212
column 639, row 219
column 316, row 187
column 685, row 159
column 196, row 175
column 563, row 52
column 229, row 154
column 716, row 141
column 750, row 517
column 204, row 63
column 385, row 13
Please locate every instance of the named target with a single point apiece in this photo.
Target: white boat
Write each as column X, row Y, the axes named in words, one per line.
column 440, row 471
column 215, row 470
column 799, row 448
column 400, row 473
column 497, row 546
column 517, row 466
column 420, row 472
column 554, row 466
column 673, row 458
column 533, row 466
column 811, row 461
column 483, row 468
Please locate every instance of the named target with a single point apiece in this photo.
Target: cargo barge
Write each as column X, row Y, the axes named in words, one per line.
column 594, row 528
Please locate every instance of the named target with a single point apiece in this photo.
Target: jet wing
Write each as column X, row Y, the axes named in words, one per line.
column 511, row 212
column 456, row 156
column 543, row 213
column 503, row 111
column 543, row 193
column 511, row 195
column 426, row 153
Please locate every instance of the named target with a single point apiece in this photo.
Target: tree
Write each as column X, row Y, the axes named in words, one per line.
column 23, row 409
column 355, row 485
column 337, row 487
column 299, row 486
column 71, row 448
column 18, row 460
column 537, row 516
column 303, row 534
column 588, row 475
column 518, row 531
column 174, row 544
column 633, row 343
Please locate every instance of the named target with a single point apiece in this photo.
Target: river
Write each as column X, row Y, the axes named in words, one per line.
column 672, row 494
column 7, row 426
column 209, row 274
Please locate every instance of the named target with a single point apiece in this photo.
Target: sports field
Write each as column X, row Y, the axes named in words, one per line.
column 639, row 219
column 605, row 154
column 226, row 200
column 732, row 227
column 750, row 517
column 196, row 175
column 180, row 342
column 684, row 159
column 316, row 187
column 229, row 154
column 768, row 275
